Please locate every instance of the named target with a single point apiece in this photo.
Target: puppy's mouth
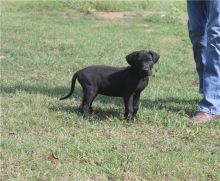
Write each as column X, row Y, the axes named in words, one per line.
column 146, row 73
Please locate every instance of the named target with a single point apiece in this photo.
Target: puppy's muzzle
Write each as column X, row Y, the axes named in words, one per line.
column 146, row 72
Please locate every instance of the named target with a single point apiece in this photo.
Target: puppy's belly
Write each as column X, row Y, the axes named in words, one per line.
column 112, row 92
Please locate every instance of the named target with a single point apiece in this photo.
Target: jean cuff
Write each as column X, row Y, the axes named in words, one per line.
column 209, row 111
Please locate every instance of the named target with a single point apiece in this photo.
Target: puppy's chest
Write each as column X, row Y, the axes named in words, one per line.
column 141, row 84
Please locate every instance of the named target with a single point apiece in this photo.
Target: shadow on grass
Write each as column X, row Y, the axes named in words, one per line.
column 173, row 104
column 100, row 113
column 38, row 89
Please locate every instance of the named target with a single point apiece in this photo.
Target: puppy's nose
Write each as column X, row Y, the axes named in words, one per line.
column 146, row 69
column 147, row 72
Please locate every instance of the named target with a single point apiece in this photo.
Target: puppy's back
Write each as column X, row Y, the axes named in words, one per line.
column 97, row 71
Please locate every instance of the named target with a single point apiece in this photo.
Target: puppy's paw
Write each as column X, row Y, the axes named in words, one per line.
column 85, row 116
column 130, row 118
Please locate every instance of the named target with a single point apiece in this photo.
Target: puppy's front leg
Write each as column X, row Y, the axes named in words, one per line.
column 136, row 103
column 129, row 109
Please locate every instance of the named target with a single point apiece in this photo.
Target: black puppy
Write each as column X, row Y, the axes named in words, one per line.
column 126, row 82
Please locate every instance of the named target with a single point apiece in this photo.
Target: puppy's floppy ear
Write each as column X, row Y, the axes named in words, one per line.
column 131, row 58
column 155, row 56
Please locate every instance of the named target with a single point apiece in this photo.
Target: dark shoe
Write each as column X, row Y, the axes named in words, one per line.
column 202, row 117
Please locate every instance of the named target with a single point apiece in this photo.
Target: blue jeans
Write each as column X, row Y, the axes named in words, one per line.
column 204, row 33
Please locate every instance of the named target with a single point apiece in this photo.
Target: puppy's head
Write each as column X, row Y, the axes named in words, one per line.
column 143, row 61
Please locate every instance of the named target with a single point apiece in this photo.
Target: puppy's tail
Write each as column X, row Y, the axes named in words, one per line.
column 72, row 86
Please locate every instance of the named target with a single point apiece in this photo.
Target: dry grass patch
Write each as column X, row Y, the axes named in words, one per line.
column 114, row 15
column 167, row 41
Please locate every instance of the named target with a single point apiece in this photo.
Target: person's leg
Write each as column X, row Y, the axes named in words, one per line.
column 211, row 77
column 197, row 12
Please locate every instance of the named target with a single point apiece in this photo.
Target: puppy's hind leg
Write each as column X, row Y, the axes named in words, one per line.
column 86, row 106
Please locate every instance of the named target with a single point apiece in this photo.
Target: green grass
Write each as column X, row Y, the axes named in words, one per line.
column 46, row 139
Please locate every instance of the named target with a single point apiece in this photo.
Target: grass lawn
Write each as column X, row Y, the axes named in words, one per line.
column 43, row 138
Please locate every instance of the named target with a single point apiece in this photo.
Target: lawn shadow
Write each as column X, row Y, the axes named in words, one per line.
column 172, row 104
column 98, row 112
column 57, row 91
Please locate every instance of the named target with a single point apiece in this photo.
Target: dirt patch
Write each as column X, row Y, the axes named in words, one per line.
column 114, row 15
column 167, row 41
column 145, row 28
